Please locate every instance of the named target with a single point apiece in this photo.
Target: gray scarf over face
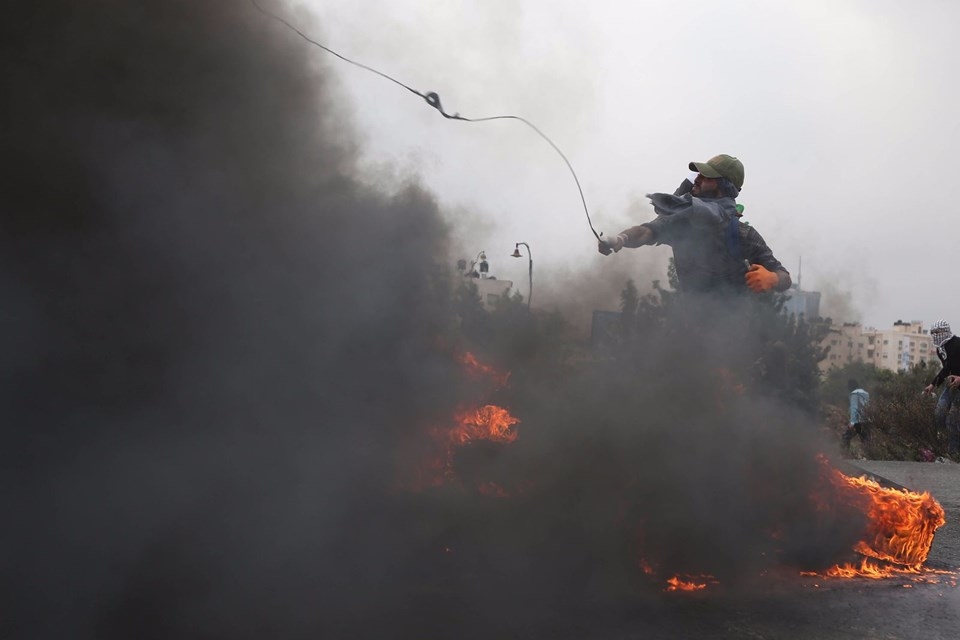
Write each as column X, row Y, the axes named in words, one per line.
column 699, row 212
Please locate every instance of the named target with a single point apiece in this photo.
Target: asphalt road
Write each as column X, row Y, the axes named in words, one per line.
column 895, row 608
column 782, row 607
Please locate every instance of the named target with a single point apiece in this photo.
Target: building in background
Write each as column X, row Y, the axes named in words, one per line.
column 489, row 288
column 898, row 348
column 800, row 302
column 492, row 290
column 805, row 303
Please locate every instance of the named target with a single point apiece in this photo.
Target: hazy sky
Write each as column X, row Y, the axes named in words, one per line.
column 843, row 113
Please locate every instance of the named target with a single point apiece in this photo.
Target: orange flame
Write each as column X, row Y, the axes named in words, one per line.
column 676, row 583
column 435, row 469
column 896, row 542
column 874, row 570
column 476, row 368
column 489, row 422
column 900, row 527
column 646, row 567
column 902, row 523
column 867, row 569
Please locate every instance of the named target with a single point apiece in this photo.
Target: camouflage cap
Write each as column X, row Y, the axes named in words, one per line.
column 721, row 166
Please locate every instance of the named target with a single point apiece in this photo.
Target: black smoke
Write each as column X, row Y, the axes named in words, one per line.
column 216, row 342
column 207, row 323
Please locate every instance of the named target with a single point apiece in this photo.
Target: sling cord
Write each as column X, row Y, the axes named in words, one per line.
column 434, row 101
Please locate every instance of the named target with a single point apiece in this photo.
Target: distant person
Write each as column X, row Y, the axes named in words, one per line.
column 713, row 251
column 948, row 407
column 858, row 402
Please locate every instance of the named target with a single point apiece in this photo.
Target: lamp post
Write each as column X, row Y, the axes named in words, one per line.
column 516, row 254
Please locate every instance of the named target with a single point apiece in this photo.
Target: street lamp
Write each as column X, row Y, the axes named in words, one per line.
column 516, row 254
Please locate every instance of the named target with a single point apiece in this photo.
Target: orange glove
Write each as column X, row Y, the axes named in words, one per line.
column 759, row 279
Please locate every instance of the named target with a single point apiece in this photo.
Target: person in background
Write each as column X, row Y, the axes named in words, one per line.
column 858, row 401
column 947, row 412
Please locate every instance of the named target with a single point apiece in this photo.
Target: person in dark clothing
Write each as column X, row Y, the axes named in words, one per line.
column 713, row 251
column 947, row 412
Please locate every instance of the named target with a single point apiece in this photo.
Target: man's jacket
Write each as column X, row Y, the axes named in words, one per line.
column 949, row 355
column 709, row 242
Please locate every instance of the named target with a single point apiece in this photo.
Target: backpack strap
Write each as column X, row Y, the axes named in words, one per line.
column 733, row 239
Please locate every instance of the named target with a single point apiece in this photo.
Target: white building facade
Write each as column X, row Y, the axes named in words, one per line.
column 898, row 348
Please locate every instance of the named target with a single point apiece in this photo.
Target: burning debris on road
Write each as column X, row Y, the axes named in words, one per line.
column 896, row 536
column 900, row 528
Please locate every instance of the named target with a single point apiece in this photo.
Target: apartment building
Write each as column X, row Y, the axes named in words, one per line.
column 898, row 348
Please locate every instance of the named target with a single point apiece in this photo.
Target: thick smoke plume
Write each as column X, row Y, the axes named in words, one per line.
column 218, row 343
column 210, row 328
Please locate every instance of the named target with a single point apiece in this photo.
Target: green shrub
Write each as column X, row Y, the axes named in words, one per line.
column 899, row 417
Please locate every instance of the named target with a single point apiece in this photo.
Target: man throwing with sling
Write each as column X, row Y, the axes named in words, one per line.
column 713, row 251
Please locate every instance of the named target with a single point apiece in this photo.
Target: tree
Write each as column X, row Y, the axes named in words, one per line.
column 791, row 353
column 770, row 352
column 834, row 389
column 468, row 308
column 510, row 333
column 900, row 419
column 629, row 300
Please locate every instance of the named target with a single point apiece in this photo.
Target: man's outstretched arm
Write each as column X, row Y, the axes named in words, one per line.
column 632, row 238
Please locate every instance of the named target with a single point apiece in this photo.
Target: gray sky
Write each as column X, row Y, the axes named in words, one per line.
column 843, row 113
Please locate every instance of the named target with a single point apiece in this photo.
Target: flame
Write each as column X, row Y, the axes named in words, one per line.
column 896, row 541
column 690, row 583
column 900, row 527
column 867, row 569
column 489, row 422
column 436, row 468
column 475, row 368
column 646, row 567
column 468, row 424
column 872, row 569
column 902, row 523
